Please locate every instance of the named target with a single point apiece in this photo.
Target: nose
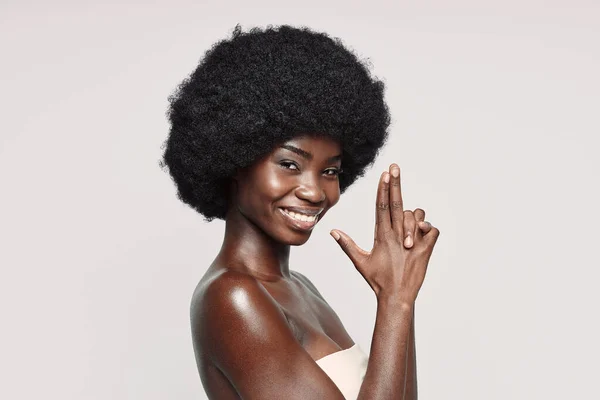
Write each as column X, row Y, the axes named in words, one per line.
column 311, row 191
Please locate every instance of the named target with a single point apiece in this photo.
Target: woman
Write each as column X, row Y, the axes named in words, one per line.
column 266, row 134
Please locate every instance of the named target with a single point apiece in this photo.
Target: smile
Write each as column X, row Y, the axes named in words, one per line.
column 298, row 220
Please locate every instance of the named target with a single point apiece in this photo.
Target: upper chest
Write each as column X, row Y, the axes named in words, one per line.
column 313, row 322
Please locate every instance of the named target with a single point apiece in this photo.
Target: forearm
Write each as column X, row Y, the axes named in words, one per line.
column 387, row 367
column 410, row 390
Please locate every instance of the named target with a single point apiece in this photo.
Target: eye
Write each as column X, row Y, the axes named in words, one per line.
column 335, row 171
column 287, row 164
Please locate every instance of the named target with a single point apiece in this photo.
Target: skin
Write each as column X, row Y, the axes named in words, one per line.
column 258, row 326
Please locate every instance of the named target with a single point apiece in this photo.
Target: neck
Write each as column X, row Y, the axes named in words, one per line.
column 246, row 247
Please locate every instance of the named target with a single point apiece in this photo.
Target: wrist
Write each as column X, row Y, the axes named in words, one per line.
column 395, row 301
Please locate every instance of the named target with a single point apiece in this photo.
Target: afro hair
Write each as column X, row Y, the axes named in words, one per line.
column 261, row 88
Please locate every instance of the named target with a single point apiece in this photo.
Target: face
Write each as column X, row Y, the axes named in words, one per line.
column 289, row 191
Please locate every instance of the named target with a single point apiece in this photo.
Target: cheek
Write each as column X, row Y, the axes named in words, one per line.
column 333, row 195
column 273, row 183
column 269, row 187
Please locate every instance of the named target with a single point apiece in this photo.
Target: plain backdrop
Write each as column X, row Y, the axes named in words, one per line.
column 495, row 109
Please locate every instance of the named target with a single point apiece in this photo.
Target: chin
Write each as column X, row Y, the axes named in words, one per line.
column 291, row 237
column 300, row 240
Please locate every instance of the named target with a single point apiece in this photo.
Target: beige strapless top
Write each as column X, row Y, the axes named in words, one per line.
column 346, row 368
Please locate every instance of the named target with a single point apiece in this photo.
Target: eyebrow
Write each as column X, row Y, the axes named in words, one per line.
column 306, row 154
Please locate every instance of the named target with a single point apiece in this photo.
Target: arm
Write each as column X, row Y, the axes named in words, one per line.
column 396, row 275
column 387, row 367
column 410, row 389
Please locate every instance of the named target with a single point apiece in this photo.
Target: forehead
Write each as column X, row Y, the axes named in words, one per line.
column 317, row 145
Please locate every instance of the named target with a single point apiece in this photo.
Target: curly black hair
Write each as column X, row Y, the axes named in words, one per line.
column 261, row 88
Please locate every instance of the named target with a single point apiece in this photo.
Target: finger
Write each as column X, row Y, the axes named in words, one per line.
column 410, row 226
column 419, row 214
column 352, row 250
column 419, row 217
column 382, row 207
column 396, row 204
column 432, row 237
column 424, row 227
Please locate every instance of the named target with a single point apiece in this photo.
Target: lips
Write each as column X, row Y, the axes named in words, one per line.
column 302, row 225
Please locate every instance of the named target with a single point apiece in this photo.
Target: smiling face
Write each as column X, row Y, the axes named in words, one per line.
column 289, row 191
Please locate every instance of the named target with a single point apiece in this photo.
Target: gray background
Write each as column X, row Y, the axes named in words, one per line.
column 495, row 123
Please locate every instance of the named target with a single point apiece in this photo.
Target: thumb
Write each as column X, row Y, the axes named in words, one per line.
column 355, row 253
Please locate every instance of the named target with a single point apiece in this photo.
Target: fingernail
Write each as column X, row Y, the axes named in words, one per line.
column 408, row 241
column 395, row 172
column 386, row 178
column 335, row 235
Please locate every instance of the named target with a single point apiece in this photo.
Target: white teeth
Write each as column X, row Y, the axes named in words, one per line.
column 301, row 217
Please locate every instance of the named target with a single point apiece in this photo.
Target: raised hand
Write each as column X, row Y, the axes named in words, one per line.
column 397, row 264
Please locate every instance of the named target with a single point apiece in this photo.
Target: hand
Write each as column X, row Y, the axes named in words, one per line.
column 395, row 266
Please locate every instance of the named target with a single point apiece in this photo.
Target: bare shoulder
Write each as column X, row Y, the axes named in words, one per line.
column 223, row 296
column 239, row 328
